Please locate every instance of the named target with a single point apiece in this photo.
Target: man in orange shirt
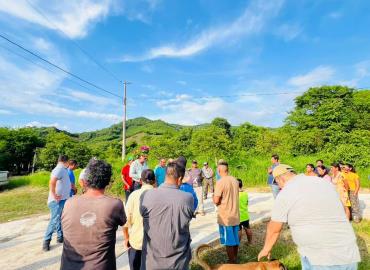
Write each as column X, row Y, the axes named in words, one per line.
column 226, row 197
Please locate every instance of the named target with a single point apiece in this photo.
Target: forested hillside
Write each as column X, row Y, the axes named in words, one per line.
column 331, row 122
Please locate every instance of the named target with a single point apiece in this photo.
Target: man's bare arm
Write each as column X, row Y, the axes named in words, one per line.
column 52, row 186
column 217, row 200
column 272, row 234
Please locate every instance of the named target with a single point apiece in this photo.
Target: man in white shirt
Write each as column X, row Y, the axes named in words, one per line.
column 136, row 168
column 315, row 215
column 60, row 188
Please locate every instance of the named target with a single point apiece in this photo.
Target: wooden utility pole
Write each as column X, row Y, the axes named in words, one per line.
column 125, row 83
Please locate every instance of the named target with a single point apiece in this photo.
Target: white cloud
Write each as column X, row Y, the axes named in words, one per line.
column 251, row 21
column 289, row 31
column 74, row 18
column 5, row 112
column 39, row 124
column 188, row 110
column 94, row 99
column 182, row 82
column 147, row 68
column 26, row 88
column 318, row 76
column 335, row 15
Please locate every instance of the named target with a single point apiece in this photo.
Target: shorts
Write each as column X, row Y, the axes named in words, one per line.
column 229, row 235
column 244, row 224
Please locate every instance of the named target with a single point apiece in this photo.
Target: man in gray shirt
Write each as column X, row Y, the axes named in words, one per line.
column 60, row 188
column 167, row 213
column 315, row 215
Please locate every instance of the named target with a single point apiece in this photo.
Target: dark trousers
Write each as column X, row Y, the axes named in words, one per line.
column 127, row 194
column 136, row 185
column 134, row 258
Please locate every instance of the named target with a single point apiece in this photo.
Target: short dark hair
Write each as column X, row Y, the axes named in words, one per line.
column 275, row 156
column 99, row 174
column 223, row 163
column 181, row 160
column 63, row 158
column 351, row 167
column 311, row 165
column 175, row 170
column 240, row 183
column 336, row 165
column 320, row 161
column 72, row 162
column 148, row 176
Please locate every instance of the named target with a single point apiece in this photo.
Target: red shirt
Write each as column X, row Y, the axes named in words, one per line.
column 126, row 175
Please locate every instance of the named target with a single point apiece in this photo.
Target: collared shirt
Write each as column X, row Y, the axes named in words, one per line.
column 207, row 172
column 167, row 212
column 136, row 169
column 63, row 185
column 134, row 218
column 317, row 221
column 160, row 174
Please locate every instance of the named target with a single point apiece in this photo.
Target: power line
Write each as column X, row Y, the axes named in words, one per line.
column 226, row 96
column 58, row 67
column 48, row 69
column 73, row 41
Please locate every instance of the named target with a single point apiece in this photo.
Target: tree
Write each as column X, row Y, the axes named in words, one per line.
column 245, row 137
column 321, row 107
column 210, row 142
column 60, row 143
column 223, row 124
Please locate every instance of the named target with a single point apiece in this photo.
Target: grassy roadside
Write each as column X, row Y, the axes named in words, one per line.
column 22, row 202
column 285, row 250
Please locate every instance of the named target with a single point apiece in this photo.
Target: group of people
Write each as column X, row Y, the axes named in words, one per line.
column 198, row 182
column 161, row 203
column 342, row 176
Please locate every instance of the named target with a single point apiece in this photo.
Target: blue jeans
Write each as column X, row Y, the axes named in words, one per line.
column 306, row 265
column 55, row 223
column 275, row 190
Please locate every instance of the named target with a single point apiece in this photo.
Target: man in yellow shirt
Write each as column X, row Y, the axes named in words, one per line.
column 133, row 230
column 353, row 181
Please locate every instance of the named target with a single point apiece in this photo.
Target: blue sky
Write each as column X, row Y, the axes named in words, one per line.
column 182, row 57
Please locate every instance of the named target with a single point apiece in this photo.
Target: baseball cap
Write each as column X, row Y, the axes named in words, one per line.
column 205, row 163
column 130, row 158
column 195, row 162
column 281, row 169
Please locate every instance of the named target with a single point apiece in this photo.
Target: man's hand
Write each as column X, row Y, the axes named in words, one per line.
column 126, row 244
column 269, row 170
column 57, row 197
column 264, row 253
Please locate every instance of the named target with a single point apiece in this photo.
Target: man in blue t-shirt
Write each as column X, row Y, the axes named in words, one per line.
column 270, row 180
column 160, row 172
column 72, row 165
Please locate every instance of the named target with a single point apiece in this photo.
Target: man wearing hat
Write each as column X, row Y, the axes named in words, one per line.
column 316, row 218
column 126, row 179
column 207, row 174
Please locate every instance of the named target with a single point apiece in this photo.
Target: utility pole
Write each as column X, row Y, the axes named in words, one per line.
column 125, row 83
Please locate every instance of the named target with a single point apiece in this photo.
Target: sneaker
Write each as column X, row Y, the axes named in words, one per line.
column 60, row 240
column 46, row 245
